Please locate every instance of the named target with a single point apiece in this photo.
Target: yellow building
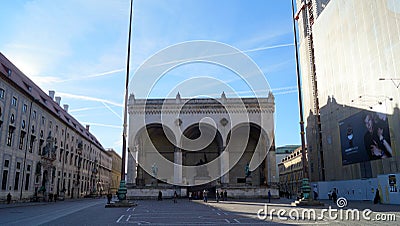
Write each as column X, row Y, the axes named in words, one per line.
column 115, row 177
column 291, row 174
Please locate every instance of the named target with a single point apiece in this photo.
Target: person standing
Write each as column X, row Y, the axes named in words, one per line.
column 225, row 195
column 334, row 195
column 269, row 196
column 8, row 198
column 109, row 197
column 377, row 198
column 205, row 193
column 315, row 191
column 159, row 196
column 175, row 197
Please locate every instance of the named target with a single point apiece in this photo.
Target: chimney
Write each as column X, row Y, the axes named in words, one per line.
column 58, row 100
column 66, row 107
column 51, row 94
column 87, row 127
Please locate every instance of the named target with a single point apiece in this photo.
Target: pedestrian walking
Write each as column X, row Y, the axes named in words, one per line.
column 225, row 195
column 221, row 195
column 217, row 196
column 190, row 196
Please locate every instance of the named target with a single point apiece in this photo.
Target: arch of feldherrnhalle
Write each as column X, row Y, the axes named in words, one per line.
column 192, row 145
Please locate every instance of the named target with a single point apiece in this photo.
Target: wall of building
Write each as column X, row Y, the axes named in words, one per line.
column 291, row 174
column 348, row 76
column 243, row 134
column 30, row 120
column 115, row 177
column 353, row 45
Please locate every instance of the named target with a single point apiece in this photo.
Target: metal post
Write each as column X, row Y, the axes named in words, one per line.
column 305, row 174
column 122, row 187
column 303, row 146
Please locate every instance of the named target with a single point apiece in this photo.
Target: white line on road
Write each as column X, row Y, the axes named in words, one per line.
column 236, row 221
column 129, row 217
column 128, row 209
column 227, row 221
column 120, row 218
column 219, row 214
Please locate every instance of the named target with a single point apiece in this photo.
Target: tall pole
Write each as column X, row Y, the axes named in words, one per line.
column 122, row 188
column 303, row 144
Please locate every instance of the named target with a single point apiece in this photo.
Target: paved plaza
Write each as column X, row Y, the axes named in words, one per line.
column 197, row 212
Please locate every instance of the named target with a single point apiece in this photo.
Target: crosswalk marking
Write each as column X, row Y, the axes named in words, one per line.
column 120, row 218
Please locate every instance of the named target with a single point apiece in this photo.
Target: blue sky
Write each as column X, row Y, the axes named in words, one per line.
column 78, row 48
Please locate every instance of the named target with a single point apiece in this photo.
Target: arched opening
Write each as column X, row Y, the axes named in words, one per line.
column 241, row 152
column 211, row 151
column 152, row 140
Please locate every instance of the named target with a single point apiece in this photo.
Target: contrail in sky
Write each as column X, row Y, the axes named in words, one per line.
column 82, row 97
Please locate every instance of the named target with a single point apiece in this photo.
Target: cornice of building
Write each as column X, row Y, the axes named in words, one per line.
column 221, row 105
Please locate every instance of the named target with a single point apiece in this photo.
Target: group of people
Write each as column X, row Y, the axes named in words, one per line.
column 332, row 195
column 221, row 196
column 175, row 196
column 203, row 195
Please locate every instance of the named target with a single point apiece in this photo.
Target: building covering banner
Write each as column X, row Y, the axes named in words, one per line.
column 365, row 136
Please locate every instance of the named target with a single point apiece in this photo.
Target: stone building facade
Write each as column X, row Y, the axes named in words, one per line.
column 115, row 177
column 291, row 174
column 240, row 151
column 44, row 150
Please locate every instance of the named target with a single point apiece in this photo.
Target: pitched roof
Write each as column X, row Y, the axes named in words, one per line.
column 10, row 71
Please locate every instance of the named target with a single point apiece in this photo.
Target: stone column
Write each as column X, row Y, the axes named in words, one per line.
column 224, row 161
column 131, row 167
column 177, row 166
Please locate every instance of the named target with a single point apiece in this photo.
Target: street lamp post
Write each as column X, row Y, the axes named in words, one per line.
column 122, row 186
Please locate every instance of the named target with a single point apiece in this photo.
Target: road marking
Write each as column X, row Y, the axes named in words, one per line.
column 140, row 222
column 129, row 217
column 120, row 218
column 219, row 214
column 227, row 221
column 236, row 221
column 128, row 209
